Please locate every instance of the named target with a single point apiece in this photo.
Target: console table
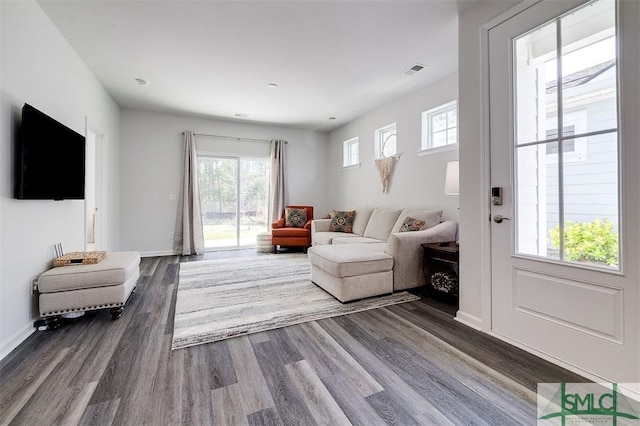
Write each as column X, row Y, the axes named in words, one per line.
column 440, row 265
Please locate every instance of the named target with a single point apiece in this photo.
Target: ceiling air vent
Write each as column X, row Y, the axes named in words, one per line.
column 413, row 69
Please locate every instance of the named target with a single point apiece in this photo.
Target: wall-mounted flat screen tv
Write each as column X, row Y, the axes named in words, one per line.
column 50, row 159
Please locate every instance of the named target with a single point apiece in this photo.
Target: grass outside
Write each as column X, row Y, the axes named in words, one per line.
column 225, row 234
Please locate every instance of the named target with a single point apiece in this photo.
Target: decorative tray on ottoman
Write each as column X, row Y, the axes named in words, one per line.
column 80, row 258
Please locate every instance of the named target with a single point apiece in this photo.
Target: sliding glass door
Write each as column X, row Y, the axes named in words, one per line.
column 234, row 197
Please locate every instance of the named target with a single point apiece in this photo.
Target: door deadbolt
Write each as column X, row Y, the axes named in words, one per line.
column 496, row 196
column 499, row 218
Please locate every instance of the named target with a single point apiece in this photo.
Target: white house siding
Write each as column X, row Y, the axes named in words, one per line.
column 531, row 183
column 591, row 171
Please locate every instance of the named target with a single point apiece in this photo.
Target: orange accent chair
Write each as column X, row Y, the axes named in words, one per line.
column 292, row 237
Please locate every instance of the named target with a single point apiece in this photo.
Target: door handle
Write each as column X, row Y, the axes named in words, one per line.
column 499, row 218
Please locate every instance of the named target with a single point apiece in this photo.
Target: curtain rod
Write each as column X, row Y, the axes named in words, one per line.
column 231, row 137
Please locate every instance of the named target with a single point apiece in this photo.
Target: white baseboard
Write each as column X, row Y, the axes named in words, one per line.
column 469, row 320
column 157, row 253
column 476, row 323
column 573, row 368
column 17, row 338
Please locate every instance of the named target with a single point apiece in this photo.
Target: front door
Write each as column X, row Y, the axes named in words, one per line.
column 564, row 240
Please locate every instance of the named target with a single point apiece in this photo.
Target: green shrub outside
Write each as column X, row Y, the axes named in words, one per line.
column 591, row 242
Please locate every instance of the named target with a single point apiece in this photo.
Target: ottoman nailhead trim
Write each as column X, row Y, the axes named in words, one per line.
column 87, row 308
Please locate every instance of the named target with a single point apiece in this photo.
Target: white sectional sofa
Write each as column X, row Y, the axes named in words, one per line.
column 375, row 258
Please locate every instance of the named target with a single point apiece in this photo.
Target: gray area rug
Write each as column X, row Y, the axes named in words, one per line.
column 219, row 299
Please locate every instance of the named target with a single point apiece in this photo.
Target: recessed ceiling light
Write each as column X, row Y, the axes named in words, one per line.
column 142, row 82
column 272, row 86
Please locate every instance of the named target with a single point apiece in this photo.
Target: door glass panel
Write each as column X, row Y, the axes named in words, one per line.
column 217, row 178
column 234, row 197
column 537, row 199
column 591, row 204
column 589, row 66
column 535, row 59
column 254, row 199
column 567, row 202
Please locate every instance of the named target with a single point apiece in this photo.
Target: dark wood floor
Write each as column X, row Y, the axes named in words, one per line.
column 404, row 364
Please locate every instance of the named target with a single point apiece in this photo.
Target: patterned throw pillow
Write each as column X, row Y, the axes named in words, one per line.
column 295, row 218
column 411, row 224
column 342, row 221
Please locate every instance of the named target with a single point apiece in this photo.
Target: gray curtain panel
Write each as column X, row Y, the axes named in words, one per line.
column 189, row 235
column 277, row 185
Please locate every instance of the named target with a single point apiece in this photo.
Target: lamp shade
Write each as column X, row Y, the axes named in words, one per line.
column 452, row 179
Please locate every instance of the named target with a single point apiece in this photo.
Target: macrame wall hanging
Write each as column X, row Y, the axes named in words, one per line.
column 385, row 169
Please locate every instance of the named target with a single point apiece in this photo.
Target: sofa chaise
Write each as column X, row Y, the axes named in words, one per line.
column 378, row 253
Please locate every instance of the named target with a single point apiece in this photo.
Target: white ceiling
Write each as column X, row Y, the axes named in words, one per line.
column 215, row 58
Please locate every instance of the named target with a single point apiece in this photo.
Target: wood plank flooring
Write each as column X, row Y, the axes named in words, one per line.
column 408, row 364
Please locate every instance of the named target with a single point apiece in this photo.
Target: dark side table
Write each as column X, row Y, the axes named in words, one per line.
column 440, row 265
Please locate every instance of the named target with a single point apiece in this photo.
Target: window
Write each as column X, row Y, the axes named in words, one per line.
column 440, row 126
column 566, row 95
column 568, row 146
column 351, row 152
column 574, row 123
column 385, row 140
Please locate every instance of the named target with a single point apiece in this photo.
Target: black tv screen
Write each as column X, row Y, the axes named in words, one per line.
column 50, row 159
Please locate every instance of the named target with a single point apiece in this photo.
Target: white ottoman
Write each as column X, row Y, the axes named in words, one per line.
column 263, row 243
column 78, row 288
column 352, row 271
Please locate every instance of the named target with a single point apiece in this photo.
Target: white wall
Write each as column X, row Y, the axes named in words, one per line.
column 474, row 185
column 418, row 181
column 151, row 169
column 40, row 68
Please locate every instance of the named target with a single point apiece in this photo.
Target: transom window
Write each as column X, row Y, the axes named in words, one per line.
column 351, row 152
column 385, row 140
column 440, row 126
